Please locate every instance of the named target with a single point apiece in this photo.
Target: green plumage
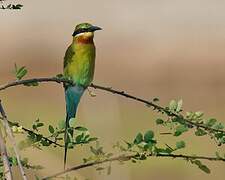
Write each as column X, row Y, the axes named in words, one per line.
column 79, row 65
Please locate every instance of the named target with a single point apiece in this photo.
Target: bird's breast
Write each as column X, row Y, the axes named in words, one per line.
column 83, row 64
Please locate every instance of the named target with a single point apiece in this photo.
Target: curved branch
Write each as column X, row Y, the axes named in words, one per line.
column 129, row 157
column 113, row 91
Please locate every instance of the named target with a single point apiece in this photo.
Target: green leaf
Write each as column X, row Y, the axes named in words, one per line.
column 210, row 122
column 40, row 124
column 161, row 150
column 205, row 169
column 199, row 114
column 180, row 129
column 94, row 151
column 34, row 127
column 172, row 105
column 219, row 126
column 31, row 84
column 180, row 145
column 159, row 121
column 155, row 99
column 61, row 124
column 51, row 129
column 79, row 138
column 45, row 143
column 79, row 128
column 148, row 136
column 14, row 161
column 201, row 166
column 200, row 132
column 92, row 139
column 148, row 146
column 179, row 105
column 138, row 139
column 59, row 76
column 21, row 73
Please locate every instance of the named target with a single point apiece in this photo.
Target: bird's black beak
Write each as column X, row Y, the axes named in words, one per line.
column 90, row 29
column 94, row 28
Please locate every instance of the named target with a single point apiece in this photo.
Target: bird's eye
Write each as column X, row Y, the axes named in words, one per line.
column 84, row 30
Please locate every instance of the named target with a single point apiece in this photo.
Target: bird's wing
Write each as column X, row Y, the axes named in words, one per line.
column 67, row 60
column 68, row 56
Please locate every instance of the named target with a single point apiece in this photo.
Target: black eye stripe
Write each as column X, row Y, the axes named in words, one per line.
column 80, row 31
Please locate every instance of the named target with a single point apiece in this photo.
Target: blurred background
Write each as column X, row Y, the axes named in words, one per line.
column 167, row 49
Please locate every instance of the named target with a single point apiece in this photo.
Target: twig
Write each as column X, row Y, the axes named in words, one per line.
column 129, row 157
column 9, row 132
column 113, row 91
column 7, row 169
column 36, row 134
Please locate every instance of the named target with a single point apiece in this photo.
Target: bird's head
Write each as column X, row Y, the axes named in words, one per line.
column 85, row 31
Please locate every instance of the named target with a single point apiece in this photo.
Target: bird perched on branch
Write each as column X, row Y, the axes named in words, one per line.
column 79, row 65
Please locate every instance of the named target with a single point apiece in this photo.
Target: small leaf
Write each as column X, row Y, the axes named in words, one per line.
column 201, row 166
column 79, row 138
column 199, row 114
column 138, row 139
column 61, row 124
column 51, row 129
column 219, row 126
column 92, row 139
column 40, row 124
column 180, row 145
column 159, row 121
column 210, row 122
column 148, row 136
column 59, row 75
column 180, row 129
column 45, row 143
column 79, row 128
column 94, row 151
column 205, row 169
column 172, row 105
column 21, row 73
column 155, row 99
column 179, row 105
column 200, row 132
column 34, row 127
column 31, row 84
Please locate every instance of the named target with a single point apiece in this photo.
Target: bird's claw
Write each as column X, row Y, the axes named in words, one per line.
column 91, row 93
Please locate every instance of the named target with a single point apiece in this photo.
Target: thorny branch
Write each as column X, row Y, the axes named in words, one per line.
column 113, row 91
column 124, row 94
column 129, row 157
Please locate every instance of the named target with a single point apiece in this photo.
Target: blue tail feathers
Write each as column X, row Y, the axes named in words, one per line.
column 72, row 95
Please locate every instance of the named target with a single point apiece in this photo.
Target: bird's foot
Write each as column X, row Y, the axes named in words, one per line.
column 91, row 93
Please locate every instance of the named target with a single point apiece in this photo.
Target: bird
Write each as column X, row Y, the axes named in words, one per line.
column 79, row 66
